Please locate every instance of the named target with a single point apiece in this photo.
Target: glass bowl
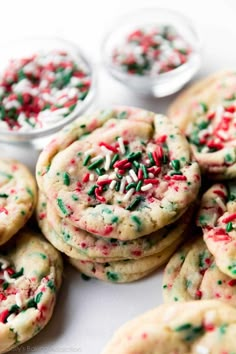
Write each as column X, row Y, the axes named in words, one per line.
column 162, row 84
column 26, row 47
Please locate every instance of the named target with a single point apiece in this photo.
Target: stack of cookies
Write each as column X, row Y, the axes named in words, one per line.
column 116, row 189
column 30, row 268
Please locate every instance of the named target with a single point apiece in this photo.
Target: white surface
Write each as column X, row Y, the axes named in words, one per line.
column 87, row 313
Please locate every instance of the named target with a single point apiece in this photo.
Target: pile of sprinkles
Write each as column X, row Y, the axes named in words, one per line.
column 151, row 50
column 42, row 89
column 214, row 129
column 131, row 173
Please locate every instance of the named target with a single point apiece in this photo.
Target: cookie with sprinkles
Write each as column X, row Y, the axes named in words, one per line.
column 206, row 112
column 126, row 270
column 136, row 164
column 195, row 327
column 18, row 196
column 82, row 245
column 192, row 274
column 216, row 217
column 30, row 276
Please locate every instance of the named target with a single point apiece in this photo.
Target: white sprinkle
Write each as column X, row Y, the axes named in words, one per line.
column 223, row 135
column 18, row 300
column 128, row 195
column 146, row 187
column 7, row 277
column 12, row 104
column 122, row 185
column 121, row 145
column 151, row 175
column 91, row 177
column 147, row 161
column 103, row 177
column 112, row 175
column 11, row 317
column 89, row 152
column 214, row 218
column 107, row 162
column 128, row 179
column 4, row 263
column 205, row 150
column 133, row 175
column 96, row 158
column 220, row 203
column 200, row 349
column 112, row 184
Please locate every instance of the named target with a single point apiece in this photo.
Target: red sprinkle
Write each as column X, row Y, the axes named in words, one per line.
column 3, row 210
column 2, row 297
column 199, row 293
column 120, row 163
column 104, row 181
column 220, row 235
column 179, row 178
column 219, row 193
column 98, row 196
column 140, row 174
column 161, row 139
column 109, row 147
column 86, row 178
column 151, row 180
column 229, row 218
column 3, row 315
column 232, row 282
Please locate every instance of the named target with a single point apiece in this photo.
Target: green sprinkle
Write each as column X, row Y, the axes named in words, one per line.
column 229, row 226
column 137, row 221
column 114, row 219
column 134, row 156
column 99, row 171
column 165, row 286
column 3, row 195
column 22, row 212
column 117, row 186
column 122, row 115
column 204, row 106
column 151, row 158
column 7, row 175
column 145, row 173
column 51, row 285
column 136, row 164
column 134, row 203
column 62, row 206
column 38, row 297
column 114, row 159
column 31, row 303
column 18, row 274
column 66, row 178
column 203, row 125
column 118, row 175
column 29, row 191
column 139, row 185
column 183, row 327
column 74, row 197
column 83, row 126
column 222, row 329
column 5, row 285
column 86, row 160
column 219, row 282
column 92, row 190
column 96, row 164
column 172, row 173
column 175, row 164
column 130, row 185
column 112, row 276
column 14, row 308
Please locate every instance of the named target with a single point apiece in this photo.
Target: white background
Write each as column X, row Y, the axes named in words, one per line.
column 87, row 313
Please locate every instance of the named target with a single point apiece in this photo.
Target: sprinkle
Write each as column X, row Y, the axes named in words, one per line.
column 104, row 182
column 4, row 263
column 95, row 164
column 151, row 180
column 85, row 178
column 18, row 300
column 179, row 178
column 134, row 203
column 108, row 147
column 128, row 179
column 139, row 185
column 131, row 185
column 133, row 175
column 200, row 349
column 122, row 185
column 151, row 158
column 92, row 190
column 112, row 184
column 95, row 158
column 66, row 179
column 175, row 164
column 86, row 160
column 62, row 206
column 128, row 194
column 121, row 145
column 140, row 174
column 229, row 218
column 8, row 278
column 121, row 163
column 98, row 195
column 146, row 187
column 103, row 177
column 134, row 156
column 107, row 162
column 151, row 175
column 144, row 169
column 114, row 159
column 11, row 317
column 229, row 226
column 91, row 177
column 89, row 152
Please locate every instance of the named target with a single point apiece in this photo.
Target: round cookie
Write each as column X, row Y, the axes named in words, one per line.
column 17, row 197
column 31, row 274
column 217, row 217
column 126, row 270
column 195, row 327
column 191, row 274
column 206, row 113
column 82, row 245
column 136, row 166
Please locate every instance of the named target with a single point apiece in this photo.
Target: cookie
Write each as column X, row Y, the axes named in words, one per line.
column 217, row 217
column 134, row 168
column 17, row 197
column 31, row 274
column 192, row 274
column 126, row 270
column 82, row 245
column 199, row 327
column 206, row 113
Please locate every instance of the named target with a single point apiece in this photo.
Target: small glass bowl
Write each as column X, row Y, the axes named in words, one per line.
column 162, row 84
column 27, row 47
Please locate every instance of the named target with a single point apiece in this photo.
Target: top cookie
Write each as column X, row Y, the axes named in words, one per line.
column 17, row 197
column 198, row 327
column 206, row 112
column 123, row 173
